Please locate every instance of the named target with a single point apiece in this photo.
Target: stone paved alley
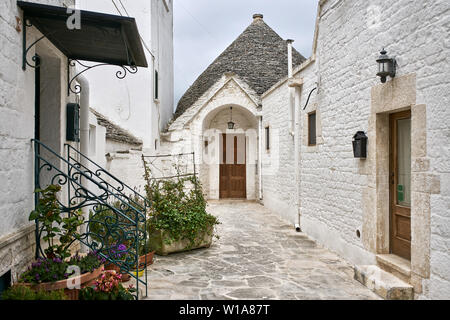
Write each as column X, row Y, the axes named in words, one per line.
column 258, row 256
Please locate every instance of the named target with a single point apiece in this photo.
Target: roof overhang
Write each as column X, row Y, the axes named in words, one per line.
column 102, row 38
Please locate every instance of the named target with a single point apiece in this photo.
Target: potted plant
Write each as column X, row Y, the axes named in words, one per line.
column 117, row 253
column 108, row 287
column 50, row 273
column 178, row 220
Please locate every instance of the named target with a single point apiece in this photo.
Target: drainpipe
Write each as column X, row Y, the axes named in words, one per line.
column 291, row 90
column 84, row 142
column 296, row 85
column 260, row 157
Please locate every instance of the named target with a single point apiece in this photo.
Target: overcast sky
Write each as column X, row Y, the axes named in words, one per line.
column 203, row 29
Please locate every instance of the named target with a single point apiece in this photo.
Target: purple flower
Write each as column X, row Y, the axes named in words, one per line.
column 37, row 277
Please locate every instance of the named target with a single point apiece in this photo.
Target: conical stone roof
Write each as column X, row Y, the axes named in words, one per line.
column 258, row 56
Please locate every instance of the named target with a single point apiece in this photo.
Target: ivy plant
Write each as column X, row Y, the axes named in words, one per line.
column 178, row 209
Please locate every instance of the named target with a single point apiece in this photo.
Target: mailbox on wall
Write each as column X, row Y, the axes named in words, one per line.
column 73, row 122
column 360, row 145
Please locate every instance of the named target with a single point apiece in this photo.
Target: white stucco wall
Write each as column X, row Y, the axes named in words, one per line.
column 17, row 98
column 130, row 102
column 211, row 111
column 351, row 34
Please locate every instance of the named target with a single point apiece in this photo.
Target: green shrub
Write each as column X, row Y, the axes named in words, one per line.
column 178, row 208
column 20, row 292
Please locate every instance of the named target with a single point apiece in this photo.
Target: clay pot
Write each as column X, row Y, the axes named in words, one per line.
column 85, row 280
column 125, row 276
column 146, row 259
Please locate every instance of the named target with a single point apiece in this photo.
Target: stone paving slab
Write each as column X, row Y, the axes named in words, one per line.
column 258, row 256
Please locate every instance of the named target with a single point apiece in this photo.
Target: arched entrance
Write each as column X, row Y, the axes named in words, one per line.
column 230, row 155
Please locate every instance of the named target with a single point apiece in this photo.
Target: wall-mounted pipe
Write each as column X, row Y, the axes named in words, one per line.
column 84, row 140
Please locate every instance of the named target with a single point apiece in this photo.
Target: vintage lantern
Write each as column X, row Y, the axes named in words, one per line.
column 386, row 66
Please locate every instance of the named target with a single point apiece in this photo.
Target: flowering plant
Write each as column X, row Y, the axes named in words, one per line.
column 51, row 270
column 117, row 252
column 108, row 287
column 46, row 270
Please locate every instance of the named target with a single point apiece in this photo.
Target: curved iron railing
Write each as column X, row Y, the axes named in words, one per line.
column 115, row 217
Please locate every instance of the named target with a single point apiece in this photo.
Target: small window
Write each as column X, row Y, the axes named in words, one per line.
column 312, row 129
column 267, row 138
column 156, row 144
column 156, row 85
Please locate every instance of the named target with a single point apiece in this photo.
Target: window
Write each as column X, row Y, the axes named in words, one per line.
column 156, row 144
column 267, row 138
column 156, row 85
column 92, row 141
column 312, row 129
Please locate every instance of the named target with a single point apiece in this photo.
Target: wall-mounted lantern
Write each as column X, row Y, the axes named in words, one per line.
column 386, row 66
column 360, row 145
column 231, row 123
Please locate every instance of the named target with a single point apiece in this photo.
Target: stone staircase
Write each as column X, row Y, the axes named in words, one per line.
column 389, row 279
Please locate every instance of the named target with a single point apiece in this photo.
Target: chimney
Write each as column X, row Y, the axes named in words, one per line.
column 290, row 67
column 257, row 16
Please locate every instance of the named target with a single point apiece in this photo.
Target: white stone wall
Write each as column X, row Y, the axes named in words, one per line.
column 16, row 131
column 350, row 35
column 186, row 133
column 130, row 102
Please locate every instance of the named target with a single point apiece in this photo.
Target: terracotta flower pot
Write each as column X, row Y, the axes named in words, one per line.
column 125, row 276
column 86, row 279
column 146, row 259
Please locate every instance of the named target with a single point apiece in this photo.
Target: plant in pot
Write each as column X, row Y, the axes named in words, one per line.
column 52, row 272
column 178, row 220
column 108, row 287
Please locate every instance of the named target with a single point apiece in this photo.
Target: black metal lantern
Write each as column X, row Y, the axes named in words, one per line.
column 360, row 145
column 386, row 66
column 231, row 123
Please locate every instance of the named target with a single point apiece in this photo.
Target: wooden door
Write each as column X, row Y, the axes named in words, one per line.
column 400, row 184
column 233, row 167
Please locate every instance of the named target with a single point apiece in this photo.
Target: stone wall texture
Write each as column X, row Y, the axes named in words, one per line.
column 16, row 131
column 333, row 184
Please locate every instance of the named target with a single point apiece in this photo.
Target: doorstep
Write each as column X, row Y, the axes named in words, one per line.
column 383, row 283
column 399, row 267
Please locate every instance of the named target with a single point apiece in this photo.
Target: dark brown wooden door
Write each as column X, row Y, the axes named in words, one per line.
column 400, row 184
column 233, row 167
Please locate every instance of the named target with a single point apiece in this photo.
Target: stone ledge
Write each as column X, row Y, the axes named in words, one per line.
column 395, row 265
column 383, row 283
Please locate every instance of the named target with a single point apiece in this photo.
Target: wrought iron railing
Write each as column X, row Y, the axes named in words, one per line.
column 117, row 213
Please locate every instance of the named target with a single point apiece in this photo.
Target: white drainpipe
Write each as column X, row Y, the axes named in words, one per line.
column 291, row 90
column 294, row 128
column 260, row 156
column 84, row 140
column 297, row 151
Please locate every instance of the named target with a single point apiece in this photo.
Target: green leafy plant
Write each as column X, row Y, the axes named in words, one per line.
column 59, row 231
column 108, row 287
column 178, row 209
column 20, row 292
column 52, row 270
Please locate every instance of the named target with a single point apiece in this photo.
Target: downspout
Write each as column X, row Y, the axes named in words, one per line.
column 260, row 157
column 291, row 90
column 84, row 142
column 294, row 128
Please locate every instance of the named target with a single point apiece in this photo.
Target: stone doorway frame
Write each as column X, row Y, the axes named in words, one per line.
column 395, row 96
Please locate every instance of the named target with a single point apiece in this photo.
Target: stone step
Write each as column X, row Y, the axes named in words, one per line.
column 383, row 283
